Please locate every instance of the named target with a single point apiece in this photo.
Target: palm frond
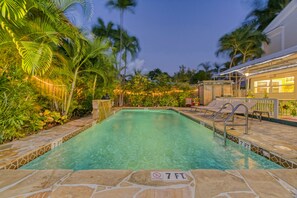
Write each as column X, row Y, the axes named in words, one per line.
column 87, row 6
column 12, row 9
column 37, row 58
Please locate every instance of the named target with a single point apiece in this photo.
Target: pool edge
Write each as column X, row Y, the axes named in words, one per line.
column 272, row 156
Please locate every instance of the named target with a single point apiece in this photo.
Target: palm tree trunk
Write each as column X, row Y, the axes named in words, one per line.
column 230, row 65
column 121, row 35
column 71, row 91
column 94, row 87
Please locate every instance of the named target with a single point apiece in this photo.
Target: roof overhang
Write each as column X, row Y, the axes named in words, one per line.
column 273, row 62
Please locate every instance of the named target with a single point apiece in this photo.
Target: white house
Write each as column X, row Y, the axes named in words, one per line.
column 275, row 73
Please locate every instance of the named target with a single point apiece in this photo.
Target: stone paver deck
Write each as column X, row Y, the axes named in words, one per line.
column 19, row 152
column 279, row 141
column 125, row 183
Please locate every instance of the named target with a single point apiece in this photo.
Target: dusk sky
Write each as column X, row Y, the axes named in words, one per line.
column 177, row 32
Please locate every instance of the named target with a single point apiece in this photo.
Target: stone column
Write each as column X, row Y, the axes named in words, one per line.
column 95, row 112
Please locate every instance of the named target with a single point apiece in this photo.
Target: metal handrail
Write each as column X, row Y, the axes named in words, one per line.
column 222, row 108
column 231, row 115
column 218, row 113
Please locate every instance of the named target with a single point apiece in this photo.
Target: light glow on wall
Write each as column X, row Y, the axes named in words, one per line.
column 275, row 85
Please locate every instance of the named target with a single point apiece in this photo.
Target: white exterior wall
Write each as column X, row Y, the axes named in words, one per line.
column 290, row 30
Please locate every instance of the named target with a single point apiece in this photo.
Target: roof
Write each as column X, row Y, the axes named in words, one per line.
column 269, row 58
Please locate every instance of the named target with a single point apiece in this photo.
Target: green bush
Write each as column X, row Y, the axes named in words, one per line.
column 16, row 107
column 174, row 99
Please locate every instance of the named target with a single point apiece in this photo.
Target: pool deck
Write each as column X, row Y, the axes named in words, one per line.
column 277, row 142
column 274, row 141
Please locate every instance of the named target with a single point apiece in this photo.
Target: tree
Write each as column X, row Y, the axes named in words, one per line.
column 241, row 45
column 122, row 6
column 261, row 17
column 105, row 31
column 152, row 75
column 207, row 69
column 184, row 74
column 88, row 60
column 201, row 75
column 130, row 47
column 34, row 27
column 244, row 44
column 155, row 73
column 67, row 5
column 216, row 68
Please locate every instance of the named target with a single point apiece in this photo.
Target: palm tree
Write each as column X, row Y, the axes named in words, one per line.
column 130, row 47
column 261, row 17
column 244, row 43
column 105, row 31
column 89, row 59
column 207, row 68
column 66, row 5
column 34, row 27
column 216, row 68
column 251, row 47
column 241, row 45
column 122, row 6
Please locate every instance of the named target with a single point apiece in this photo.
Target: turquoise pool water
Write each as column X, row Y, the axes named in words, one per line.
column 144, row 139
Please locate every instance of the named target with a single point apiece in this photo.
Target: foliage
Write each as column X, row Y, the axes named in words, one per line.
column 38, row 41
column 261, row 16
column 293, row 108
column 250, row 94
column 45, row 120
column 20, row 106
column 242, row 44
column 184, row 74
column 15, row 110
column 142, row 91
column 17, row 100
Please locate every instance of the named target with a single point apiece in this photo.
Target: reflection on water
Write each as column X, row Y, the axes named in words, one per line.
column 144, row 139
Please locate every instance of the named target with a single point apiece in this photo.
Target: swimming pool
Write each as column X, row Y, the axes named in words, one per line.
column 149, row 139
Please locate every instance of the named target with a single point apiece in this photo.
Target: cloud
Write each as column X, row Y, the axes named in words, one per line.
column 138, row 65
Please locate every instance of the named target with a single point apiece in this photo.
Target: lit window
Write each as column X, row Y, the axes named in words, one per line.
column 283, row 85
column 262, row 86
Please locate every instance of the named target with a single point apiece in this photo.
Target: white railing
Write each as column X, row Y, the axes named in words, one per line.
column 270, row 105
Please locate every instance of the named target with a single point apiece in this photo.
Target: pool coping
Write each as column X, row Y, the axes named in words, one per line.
column 204, row 183
column 72, row 132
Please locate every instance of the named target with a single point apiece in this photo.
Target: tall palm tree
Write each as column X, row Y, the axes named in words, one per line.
column 122, row 6
column 244, row 43
column 130, row 47
column 241, row 45
column 251, row 46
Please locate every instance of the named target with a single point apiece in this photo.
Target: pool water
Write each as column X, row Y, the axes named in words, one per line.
column 149, row 139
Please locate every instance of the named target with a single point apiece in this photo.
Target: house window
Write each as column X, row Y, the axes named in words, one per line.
column 275, row 85
column 262, row 86
column 283, row 85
